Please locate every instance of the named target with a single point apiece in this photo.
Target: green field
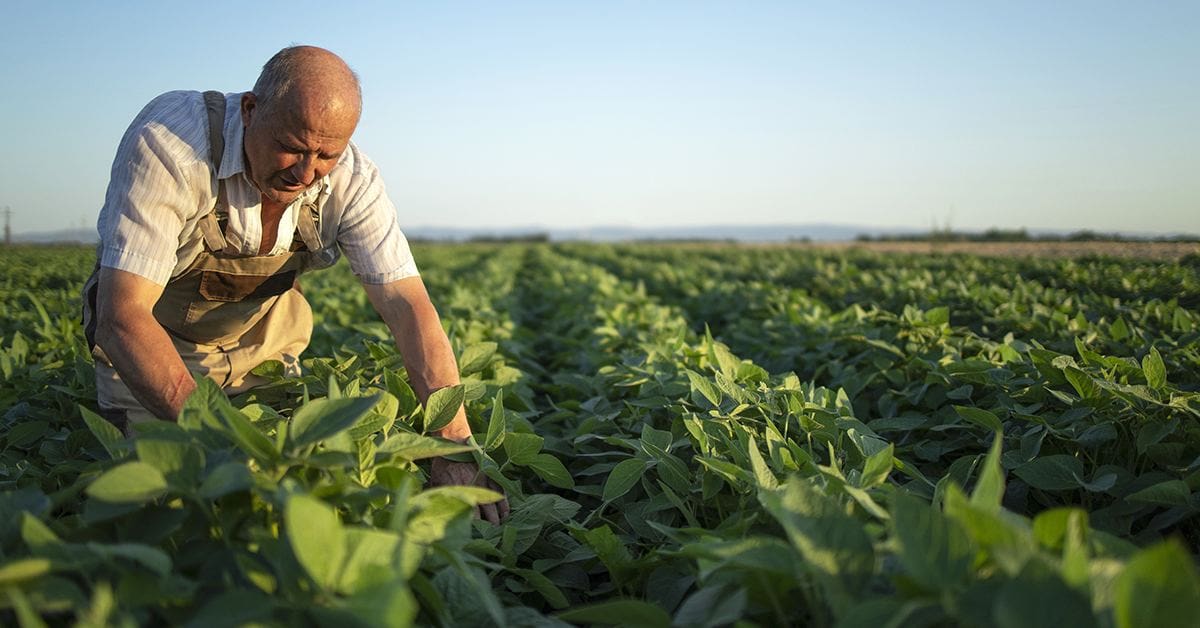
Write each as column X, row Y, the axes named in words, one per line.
column 688, row 435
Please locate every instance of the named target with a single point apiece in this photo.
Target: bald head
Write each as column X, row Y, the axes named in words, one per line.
column 298, row 120
column 311, row 78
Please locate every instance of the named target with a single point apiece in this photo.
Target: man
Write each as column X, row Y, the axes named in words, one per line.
column 215, row 205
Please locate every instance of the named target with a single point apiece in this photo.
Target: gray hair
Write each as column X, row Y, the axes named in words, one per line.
column 287, row 69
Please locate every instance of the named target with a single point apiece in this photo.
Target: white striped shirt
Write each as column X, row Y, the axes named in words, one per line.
column 161, row 186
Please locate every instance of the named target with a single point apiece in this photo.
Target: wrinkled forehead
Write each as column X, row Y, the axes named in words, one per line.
column 329, row 117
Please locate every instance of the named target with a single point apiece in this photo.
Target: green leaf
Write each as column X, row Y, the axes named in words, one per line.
column 835, row 547
column 109, row 436
column 227, row 478
column 1167, row 493
column 762, row 474
column 1051, row 473
column 705, row 387
column 522, row 448
column 552, row 471
column 497, row 424
column 316, row 537
column 981, row 417
column 129, row 483
column 23, row 569
column 369, row 558
column 877, row 467
column 469, row 495
column 544, row 586
column 441, row 407
column 1154, row 369
column 36, row 534
column 180, row 462
column 319, row 420
column 402, row 391
column 1037, row 598
column 387, row 604
column 989, row 489
column 476, row 357
column 245, row 435
column 149, row 557
column 632, row 613
column 623, row 477
column 410, row 446
column 1083, row 383
column 933, row 548
column 1159, row 588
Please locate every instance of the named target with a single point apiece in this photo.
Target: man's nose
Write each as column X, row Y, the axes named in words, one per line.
column 304, row 171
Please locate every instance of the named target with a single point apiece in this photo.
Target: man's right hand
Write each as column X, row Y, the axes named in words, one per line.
column 138, row 347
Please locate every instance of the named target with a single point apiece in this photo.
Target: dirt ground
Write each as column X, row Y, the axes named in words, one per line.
column 1161, row 251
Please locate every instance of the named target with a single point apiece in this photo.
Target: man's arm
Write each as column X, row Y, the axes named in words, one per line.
column 405, row 307
column 139, row 348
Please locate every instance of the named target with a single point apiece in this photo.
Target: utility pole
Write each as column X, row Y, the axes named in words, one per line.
column 7, row 226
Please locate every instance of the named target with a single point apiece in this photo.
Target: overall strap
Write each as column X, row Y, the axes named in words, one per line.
column 214, row 104
column 307, row 218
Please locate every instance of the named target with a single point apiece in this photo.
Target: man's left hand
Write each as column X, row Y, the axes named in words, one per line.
column 445, row 472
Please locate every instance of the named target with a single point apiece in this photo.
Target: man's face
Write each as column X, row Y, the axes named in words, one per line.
column 290, row 145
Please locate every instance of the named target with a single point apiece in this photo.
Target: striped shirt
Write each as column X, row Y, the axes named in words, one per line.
column 161, row 186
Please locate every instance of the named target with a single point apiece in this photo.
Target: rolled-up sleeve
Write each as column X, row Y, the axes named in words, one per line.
column 369, row 232
column 150, row 193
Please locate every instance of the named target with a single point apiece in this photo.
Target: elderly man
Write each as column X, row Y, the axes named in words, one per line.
column 215, row 205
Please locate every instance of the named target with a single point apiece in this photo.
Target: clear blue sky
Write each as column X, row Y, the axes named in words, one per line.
column 1061, row 115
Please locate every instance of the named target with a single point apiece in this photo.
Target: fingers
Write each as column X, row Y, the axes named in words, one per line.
column 489, row 513
column 502, row 509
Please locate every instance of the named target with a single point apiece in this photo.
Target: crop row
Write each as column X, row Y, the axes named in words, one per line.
column 687, row 436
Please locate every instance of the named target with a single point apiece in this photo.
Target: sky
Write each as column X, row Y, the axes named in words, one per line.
column 968, row 115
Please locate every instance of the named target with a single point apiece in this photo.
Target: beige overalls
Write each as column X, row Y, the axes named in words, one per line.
column 226, row 313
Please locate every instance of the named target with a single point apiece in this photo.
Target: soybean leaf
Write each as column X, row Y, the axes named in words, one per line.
column 877, row 467
column 1051, row 473
column 933, row 548
column 552, row 471
column 522, row 448
column 316, row 537
column 227, row 478
column 410, row 446
column 22, row 569
column 1038, row 598
column 129, row 483
column 441, row 407
column 476, row 357
column 632, row 613
column 1154, row 369
column 318, row 420
column 623, row 477
column 835, row 547
column 989, row 488
column 496, row 424
column 1167, row 493
column 981, row 417
column 1159, row 588
column 109, row 436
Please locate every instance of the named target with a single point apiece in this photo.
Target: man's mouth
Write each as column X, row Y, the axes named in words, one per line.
column 288, row 184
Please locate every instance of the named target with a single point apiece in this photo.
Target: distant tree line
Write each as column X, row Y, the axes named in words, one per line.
column 1018, row 235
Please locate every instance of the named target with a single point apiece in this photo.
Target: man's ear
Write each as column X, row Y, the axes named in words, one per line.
column 249, row 102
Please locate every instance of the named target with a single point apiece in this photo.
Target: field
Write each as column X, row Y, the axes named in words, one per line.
column 688, row 435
